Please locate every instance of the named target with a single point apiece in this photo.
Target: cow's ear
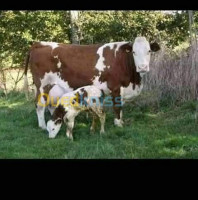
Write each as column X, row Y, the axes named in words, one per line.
column 127, row 47
column 154, row 46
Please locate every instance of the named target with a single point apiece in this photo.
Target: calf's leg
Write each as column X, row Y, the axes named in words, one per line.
column 102, row 116
column 93, row 125
column 69, row 120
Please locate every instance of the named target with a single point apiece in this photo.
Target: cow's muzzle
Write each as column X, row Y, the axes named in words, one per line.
column 52, row 136
column 143, row 68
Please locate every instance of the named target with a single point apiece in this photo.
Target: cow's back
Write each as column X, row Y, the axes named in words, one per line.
column 72, row 63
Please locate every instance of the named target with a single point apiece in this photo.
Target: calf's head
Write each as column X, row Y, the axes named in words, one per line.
column 53, row 127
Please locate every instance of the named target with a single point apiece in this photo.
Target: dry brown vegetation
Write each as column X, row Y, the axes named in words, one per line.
column 173, row 76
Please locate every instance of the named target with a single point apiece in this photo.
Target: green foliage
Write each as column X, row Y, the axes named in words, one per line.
column 174, row 27
column 105, row 26
column 19, row 28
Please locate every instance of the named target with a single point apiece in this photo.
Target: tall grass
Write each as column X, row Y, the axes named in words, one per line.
column 173, row 76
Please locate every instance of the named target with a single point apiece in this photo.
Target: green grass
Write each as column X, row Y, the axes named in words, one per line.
column 164, row 132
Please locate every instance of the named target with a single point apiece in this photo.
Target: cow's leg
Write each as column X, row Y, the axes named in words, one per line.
column 93, row 125
column 40, row 111
column 121, row 117
column 118, row 120
column 117, row 107
column 41, row 116
column 102, row 117
column 51, row 109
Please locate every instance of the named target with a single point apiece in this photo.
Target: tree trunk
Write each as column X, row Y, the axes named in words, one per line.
column 193, row 53
column 74, row 27
column 190, row 15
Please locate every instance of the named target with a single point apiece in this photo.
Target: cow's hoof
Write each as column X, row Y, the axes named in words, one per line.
column 102, row 132
column 51, row 137
column 118, row 123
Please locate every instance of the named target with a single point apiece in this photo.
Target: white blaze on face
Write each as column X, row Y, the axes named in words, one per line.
column 141, row 54
column 53, row 128
column 52, row 44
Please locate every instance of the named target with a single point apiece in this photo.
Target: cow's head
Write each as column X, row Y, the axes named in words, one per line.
column 142, row 52
column 53, row 127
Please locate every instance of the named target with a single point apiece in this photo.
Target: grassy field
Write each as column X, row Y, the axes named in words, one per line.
column 149, row 132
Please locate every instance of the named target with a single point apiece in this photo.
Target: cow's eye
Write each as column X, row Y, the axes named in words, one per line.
column 150, row 51
column 133, row 52
column 53, row 129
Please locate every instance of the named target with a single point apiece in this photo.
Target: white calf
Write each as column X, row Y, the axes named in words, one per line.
column 88, row 98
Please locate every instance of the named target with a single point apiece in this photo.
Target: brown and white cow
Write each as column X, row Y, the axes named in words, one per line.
column 116, row 68
column 70, row 104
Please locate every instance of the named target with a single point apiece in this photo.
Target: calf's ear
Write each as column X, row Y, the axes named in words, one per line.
column 154, row 46
column 58, row 121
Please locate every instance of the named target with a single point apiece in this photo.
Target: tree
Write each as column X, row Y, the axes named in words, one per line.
column 74, row 27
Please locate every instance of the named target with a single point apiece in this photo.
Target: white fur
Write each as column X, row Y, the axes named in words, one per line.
column 101, row 85
column 55, row 94
column 53, row 128
column 54, row 78
column 101, row 66
column 51, row 109
column 52, row 44
column 25, row 81
column 119, row 44
column 73, row 111
column 128, row 93
column 59, row 64
column 40, row 114
column 118, row 122
column 49, row 78
column 100, row 63
column 141, row 54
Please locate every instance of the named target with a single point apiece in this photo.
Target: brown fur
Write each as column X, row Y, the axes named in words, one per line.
column 78, row 66
column 46, row 90
column 58, row 113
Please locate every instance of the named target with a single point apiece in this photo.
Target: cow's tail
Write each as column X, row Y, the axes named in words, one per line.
column 25, row 86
